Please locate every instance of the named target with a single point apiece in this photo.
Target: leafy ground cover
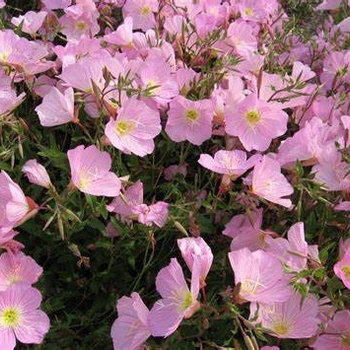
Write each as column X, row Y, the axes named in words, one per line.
column 174, row 174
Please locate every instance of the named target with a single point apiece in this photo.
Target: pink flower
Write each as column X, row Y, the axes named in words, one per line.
column 337, row 333
column 245, row 231
column 178, row 301
column 83, row 74
column 251, row 10
column 129, row 206
column 343, row 246
column 196, row 249
column 141, row 11
column 155, row 76
column 123, row 36
column 184, row 78
column 173, row 170
column 57, row 108
column 255, row 122
column 261, row 276
column 56, row 4
column 311, row 143
column 131, row 197
column 233, row 163
column 329, row 5
column 241, row 38
column 335, row 69
column 36, row 173
column 294, row 318
column 16, row 268
column 80, row 20
column 8, row 96
column 292, row 252
column 302, row 72
column 333, row 173
column 6, row 241
column 156, row 213
column 30, row 22
column 20, row 317
column 269, row 183
column 26, row 57
column 15, row 207
column 82, row 49
column 204, row 23
column 90, row 171
column 134, row 129
column 130, row 330
column 189, row 120
column 342, row 269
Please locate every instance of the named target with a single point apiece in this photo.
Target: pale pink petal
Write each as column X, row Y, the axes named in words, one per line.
column 109, row 185
column 35, row 325
column 164, row 318
column 128, row 334
column 57, row 108
column 8, row 339
column 170, row 279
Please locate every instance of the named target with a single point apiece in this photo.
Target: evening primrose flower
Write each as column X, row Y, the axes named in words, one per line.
column 260, row 275
column 20, row 317
column 130, row 330
column 15, row 207
column 30, row 22
column 178, row 301
column 36, row 173
column 142, row 13
column 342, row 269
column 57, row 107
column 16, row 268
column 189, row 120
column 336, row 334
column 255, row 122
column 90, row 171
column 294, row 318
column 134, row 129
column 268, row 182
column 233, row 163
column 195, row 248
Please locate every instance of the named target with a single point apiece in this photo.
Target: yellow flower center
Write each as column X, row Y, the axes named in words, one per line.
column 346, row 270
column 153, row 86
column 124, row 127
column 253, row 117
column 186, row 302
column 145, row 10
column 250, row 286
column 4, row 55
column 281, row 328
column 10, row 317
column 14, row 279
column 80, row 25
column 84, row 179
column 248, row 11
column 192, row 115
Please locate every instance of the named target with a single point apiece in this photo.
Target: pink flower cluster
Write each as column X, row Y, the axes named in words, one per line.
column 135, row 323
column 20, row 316
column 264, row 274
